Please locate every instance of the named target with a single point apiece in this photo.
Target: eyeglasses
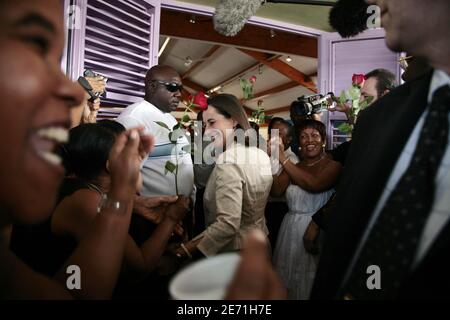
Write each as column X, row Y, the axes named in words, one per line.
column 403, row 61
column 170, row 86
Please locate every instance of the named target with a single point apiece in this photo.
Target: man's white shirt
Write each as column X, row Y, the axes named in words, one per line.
column 155, row 179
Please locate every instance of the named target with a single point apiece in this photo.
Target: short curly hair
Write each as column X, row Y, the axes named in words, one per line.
column 313, row 124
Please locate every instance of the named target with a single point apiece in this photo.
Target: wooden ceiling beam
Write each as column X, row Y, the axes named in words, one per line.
column 241, row 73
column 283, row 68
column 247, row 110
column 196, row 65
column 235, row 76
column 176, row 24
column 274, row 90
column 274, row 111
column 194, row 86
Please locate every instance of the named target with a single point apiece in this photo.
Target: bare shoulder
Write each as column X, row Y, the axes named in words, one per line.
column 74, row 212
column 332, row 164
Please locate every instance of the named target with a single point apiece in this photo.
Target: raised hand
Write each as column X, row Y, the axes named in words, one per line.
column 98, row 83
column 154, row 209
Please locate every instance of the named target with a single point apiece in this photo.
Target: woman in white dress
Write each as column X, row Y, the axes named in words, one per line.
column 308, row 185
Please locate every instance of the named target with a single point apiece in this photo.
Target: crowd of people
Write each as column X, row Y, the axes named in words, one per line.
column 126, row 202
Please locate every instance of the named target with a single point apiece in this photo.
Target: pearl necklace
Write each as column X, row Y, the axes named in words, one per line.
column 315, row 162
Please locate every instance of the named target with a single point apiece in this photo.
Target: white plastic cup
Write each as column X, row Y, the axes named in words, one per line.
column 207, row 279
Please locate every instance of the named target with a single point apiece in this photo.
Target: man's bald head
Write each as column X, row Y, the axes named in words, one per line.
column 156, row 91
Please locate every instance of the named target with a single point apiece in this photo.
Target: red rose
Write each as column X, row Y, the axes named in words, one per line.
column 201, row 101
column 252, row 79
column 358, row 79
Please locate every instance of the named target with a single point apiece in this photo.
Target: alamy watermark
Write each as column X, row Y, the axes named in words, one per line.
column 374, row 20
column 374, row 280
column 73, row 281
column 209, row 147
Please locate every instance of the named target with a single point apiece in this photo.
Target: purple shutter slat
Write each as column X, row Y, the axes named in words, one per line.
column 111, row 66
column 137, row 5
column 117, row 10
column 137, row 10
column 100, row 13
column 108, row 27
column 119, row 79
column 125, row 91
column 115, row 49
column 115, row 59
column 115, row 40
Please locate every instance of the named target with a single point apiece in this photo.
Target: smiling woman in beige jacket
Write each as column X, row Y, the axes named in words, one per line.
column 238, row 188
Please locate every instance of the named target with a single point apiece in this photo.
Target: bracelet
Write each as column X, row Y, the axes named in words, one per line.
column 186, row 251
column 108, row 203
column 284, row 162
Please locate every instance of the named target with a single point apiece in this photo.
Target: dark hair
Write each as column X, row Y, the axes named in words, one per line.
column 385, row 80
column 230, row 107
column 274, row 121
column 89, row 146
column 200, row 116
column 313, row 124
column 115, row 127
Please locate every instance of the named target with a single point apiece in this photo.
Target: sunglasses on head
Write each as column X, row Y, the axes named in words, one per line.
column 170, row 86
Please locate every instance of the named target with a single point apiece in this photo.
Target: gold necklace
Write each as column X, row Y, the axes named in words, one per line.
column 315, row 162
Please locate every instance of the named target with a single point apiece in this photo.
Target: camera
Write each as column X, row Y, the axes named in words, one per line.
column 312, row 104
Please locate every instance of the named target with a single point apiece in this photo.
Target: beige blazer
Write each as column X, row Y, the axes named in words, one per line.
column 235, row 198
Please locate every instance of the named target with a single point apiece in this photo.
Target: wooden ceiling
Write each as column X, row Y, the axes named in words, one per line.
column 218, row 62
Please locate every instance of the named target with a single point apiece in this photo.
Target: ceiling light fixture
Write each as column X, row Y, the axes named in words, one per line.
column 163, row 47
column 188, row 61
column 216, row 89
column 272, row 33
column 288, row 59
column 193, row 19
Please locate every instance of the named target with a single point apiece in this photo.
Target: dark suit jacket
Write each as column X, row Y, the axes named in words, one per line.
column 380, row 135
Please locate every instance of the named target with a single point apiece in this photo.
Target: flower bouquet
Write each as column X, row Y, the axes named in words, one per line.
column 351, row 103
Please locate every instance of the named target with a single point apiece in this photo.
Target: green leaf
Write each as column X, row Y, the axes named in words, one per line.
column 354, row 93
column 185, row 118
column 170, row 167
column 345, row 127
column 342, row 98
column 162, row 124
column 262, row 118
column 363, row 105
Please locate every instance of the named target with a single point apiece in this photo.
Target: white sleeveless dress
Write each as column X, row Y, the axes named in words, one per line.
column 295, row 266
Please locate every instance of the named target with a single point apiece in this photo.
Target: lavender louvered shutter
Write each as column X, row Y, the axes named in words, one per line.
column 117, row 39
column 341, row 58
